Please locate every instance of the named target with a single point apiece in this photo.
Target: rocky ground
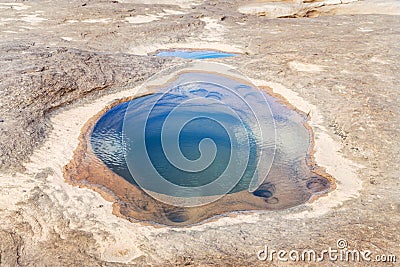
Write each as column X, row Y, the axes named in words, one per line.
column 62, row 62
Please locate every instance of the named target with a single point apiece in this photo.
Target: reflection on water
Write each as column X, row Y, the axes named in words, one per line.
column 191, row 54
column 290, row 181
column 107, row 141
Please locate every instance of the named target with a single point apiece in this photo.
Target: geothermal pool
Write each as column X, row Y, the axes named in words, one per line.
column 200, row 144
column 206, row 138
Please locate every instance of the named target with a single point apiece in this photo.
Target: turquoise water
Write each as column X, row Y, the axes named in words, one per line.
column 191, row 54
column 107, row 143
column 212, row 122
column 192, row 135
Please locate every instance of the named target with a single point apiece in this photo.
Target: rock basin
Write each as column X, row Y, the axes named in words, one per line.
column 237, row 148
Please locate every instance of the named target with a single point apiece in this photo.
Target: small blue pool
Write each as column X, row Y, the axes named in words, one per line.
column 192, row 54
